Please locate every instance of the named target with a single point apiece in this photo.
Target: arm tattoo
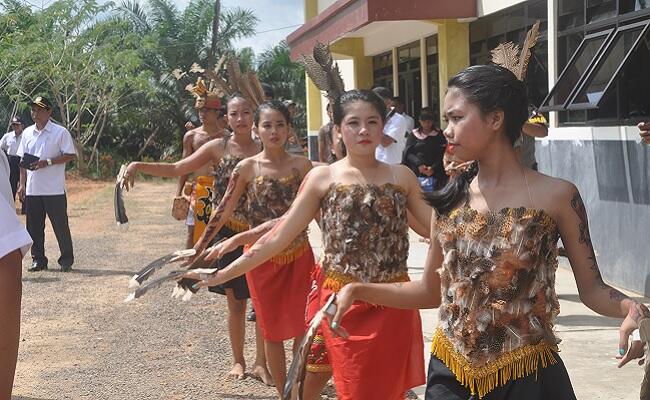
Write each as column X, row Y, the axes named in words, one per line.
column 265, row 238
column 585, row 238
column 217, row 216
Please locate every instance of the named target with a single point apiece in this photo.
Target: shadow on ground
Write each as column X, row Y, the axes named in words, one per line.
column 596, row 321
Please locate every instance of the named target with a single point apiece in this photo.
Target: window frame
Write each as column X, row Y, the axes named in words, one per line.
column 608, row 33
column 571, row 104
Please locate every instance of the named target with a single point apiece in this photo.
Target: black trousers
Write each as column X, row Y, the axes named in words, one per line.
column 14, row 173
column 550, row 383
column 56, row 208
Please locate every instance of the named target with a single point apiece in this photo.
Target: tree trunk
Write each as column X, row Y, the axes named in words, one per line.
column 215, row 35
column 147, row 142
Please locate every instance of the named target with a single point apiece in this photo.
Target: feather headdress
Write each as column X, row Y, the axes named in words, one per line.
column 508, row 55
column 323, row 71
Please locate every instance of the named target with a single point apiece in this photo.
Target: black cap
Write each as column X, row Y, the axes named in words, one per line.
column 41, row 101
column 16, row 120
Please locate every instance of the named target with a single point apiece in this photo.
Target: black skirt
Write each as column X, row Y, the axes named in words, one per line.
column 238, row 285
column 550, row 383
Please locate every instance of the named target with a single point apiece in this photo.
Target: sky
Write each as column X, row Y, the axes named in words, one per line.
column 273, row 14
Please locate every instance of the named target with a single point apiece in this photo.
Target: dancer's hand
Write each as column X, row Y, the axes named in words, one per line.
column 204, row 279
column 219, row 250
column 344, row 300
column 636, row 350
column 129, row 176
column 630, row 323
column 644, row 132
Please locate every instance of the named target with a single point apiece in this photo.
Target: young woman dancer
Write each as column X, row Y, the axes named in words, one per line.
column 494, row 255
column 224, row 153
column 268, row 183
column 363, row 205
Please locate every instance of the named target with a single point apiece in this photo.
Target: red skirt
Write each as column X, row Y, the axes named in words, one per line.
column 317, row 358
column 279, row 295
column 382, row 358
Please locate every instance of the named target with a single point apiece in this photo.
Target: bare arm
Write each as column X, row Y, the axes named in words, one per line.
column 236, row 186
column 294, row 221
column 574, row 231
column 187, row 151
column 209, row 152
column 419, row 212
column 387, row 141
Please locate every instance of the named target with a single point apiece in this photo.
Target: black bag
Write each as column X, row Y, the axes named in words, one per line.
column 27, row 161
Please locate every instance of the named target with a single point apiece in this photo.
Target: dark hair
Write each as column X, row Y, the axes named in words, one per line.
column 491, row 88
column 383, row 92
column 268, row 90
column 233, row 96
column 426, row 115
column 339, row 108
column 398, row 100
column 272, row 105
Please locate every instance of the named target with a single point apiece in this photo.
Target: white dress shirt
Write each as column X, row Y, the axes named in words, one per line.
column 9, row 143
column 52, row 142
column 12, row 234
column 395, row 127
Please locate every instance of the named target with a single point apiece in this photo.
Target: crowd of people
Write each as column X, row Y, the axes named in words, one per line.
column 472, row 189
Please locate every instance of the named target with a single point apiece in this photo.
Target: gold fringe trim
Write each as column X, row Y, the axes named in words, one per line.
column 335, row 280
column 509, row 366
column 319, row 368
column 237, row 225
column 293, row 252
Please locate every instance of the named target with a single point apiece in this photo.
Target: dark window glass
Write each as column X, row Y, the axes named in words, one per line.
column 567, row 46
column 607, row 111
column 598, row 10
column 634, row 84
column 432, row 45
column 537, row 74
column 571, row 13
column 626, row 6
column 538, row 10
column 607, row 66
column 572, row 74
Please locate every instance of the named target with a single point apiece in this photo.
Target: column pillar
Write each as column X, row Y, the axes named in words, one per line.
column 424, row 75
column 362, row 64
column 453, row 54
column 395, row 73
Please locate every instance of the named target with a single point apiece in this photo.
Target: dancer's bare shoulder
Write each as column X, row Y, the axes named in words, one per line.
column 551, row 194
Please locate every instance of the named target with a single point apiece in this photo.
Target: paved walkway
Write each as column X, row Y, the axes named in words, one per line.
column 589, row 341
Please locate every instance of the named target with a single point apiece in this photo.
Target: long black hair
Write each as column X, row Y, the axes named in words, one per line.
column 272, row 105
column 490, row 88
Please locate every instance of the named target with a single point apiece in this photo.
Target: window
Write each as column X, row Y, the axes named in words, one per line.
column 605, row 81
column 590, row 47
column 607, row 67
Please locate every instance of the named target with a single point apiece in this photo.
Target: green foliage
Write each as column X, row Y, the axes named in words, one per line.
column 107, row 69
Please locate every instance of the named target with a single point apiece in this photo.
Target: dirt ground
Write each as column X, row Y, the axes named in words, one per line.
column 81, row 341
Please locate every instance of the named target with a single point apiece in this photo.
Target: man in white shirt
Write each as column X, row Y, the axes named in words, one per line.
column 401, row 110
column 42, row 184
column 9, row 144
column 14, row 243
column 394, row 140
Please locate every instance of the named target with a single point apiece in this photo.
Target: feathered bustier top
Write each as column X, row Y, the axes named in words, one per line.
column 365, row 234
column 269, row 198
column 237, row 222
column 498, row 294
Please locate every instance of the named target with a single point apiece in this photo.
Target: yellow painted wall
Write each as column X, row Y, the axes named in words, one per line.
column 453, row 52
column 311, row 9
column 353, row 48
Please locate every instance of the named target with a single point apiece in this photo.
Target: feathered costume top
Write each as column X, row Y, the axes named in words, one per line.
column 365, row 234
column 498, row 294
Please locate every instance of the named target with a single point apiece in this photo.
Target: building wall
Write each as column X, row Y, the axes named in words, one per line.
column 612, row 172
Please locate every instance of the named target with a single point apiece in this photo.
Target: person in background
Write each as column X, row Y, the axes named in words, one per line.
column 43, row 185
column 393, row 141
column 535, row 127
column 400, row 108
column 9, row 144
column 294, row 144
column 269, row 93
column 14, row 243
column 326, row 153
column 425, row 147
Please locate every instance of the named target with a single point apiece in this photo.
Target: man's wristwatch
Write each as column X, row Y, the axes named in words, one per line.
column 49, row 161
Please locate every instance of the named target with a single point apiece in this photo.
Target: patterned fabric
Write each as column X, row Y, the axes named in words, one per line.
column 268, row 198
column 202, row 204
column 498, row 294
column 365, row 233
column 222, row 173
